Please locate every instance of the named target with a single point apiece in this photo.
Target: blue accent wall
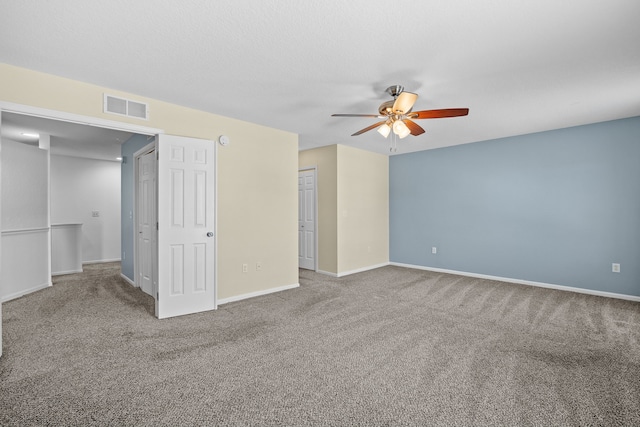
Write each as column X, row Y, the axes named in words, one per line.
column 133, row 144
column 556, row 207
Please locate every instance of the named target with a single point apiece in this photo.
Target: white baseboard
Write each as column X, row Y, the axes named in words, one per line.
column 257, row 293
column 25, row 292
column 129, row 281
column 60, row 273
column 327, row 273
column 101, row 261
column 523, row 282
column 359, row 270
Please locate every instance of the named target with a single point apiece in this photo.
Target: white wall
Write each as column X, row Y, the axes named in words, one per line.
column 24, row 189
column 25, row 233
column 80, row 186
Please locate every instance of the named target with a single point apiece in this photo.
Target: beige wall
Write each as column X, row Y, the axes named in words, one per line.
column 353, row 207
column 326, row 161
column 363, row 209
column 257, row 175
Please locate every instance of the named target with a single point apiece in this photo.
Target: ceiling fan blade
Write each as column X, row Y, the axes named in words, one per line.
column 438, row 114
column 404, row 102
column 413, row 127
column 367, row 129
column 355, row 115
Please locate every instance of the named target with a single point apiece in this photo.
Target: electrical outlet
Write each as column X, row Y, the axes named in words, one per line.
column 434, row 250
column 258, row 266
column 245, row 268
column 615, row 267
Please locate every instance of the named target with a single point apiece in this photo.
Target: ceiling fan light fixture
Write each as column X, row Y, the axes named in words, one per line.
column 384, row 130
column 400, row 129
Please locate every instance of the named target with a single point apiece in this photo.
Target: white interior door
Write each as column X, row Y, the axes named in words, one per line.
column 186, row 221
column 307, row 219
column 146, row 218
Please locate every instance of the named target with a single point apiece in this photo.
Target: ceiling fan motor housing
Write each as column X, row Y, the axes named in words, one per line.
column 386, row 108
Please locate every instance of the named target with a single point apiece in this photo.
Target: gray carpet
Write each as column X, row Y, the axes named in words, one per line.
column 392, row 346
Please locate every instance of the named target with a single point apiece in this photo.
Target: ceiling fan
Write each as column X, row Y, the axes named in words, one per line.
column 398, row 116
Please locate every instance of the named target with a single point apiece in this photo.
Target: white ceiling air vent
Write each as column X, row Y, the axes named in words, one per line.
column 125, row 107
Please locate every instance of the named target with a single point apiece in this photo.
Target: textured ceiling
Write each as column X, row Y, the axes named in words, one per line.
column 519, row 66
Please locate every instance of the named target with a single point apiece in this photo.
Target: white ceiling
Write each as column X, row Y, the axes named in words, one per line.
column 519, row 66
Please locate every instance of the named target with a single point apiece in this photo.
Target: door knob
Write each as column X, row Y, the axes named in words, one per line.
column 210, row 234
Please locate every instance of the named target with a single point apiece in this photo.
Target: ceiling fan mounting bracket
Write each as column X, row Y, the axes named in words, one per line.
column 394, row 90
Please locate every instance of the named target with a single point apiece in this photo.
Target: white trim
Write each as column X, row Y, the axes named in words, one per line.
column 215, row 227
column 76, row 118
column 523, row 282
column 327, row 273
column 360, row 270
column 126, row 279
column 101, row 261
column 146, row 149
column 357, row 270
column 25, row 292
column 50, row 231
column 62, row 273
column 25, row 231
column 257, row 293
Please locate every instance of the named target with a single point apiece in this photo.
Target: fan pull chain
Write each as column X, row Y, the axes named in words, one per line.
column 394, row 143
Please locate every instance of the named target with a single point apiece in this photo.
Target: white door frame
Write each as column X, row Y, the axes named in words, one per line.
column 62, row 116
column 315, row 205
column 136, row 156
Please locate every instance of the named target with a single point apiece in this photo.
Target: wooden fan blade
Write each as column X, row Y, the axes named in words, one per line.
column 438, row 114
column 367, row 129
column 355, row 115
column 413, row 127
column 404, row 102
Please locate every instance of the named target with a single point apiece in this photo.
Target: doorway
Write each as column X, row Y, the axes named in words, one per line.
column 42, row 263
column 63, row 196
column 307, row 214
